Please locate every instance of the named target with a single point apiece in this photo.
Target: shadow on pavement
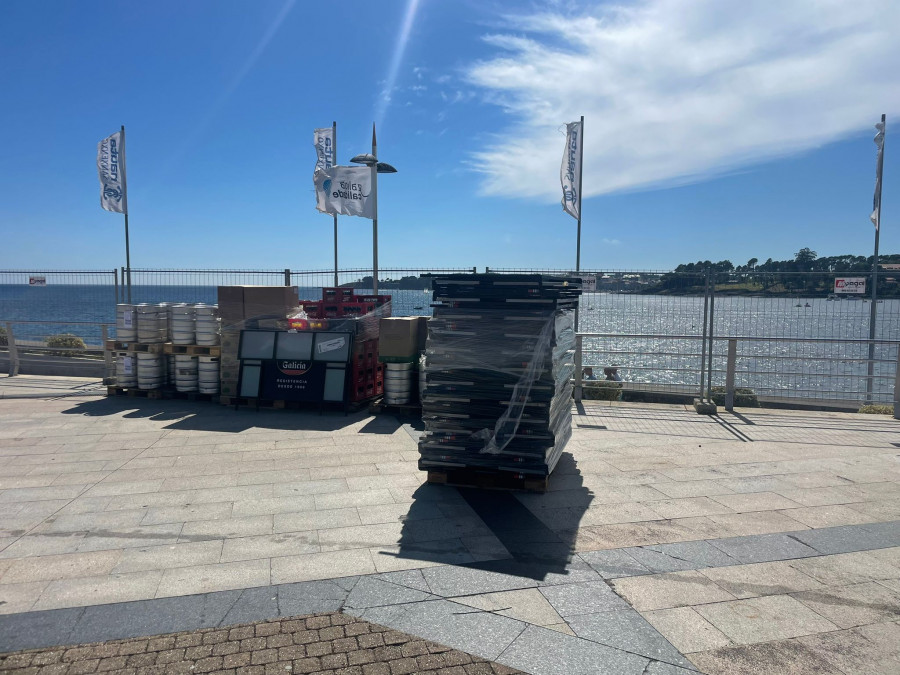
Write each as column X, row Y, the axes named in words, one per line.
column 505, row 535
column 206, row 416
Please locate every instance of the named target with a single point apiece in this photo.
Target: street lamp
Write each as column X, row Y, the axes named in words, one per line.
column 371, row 160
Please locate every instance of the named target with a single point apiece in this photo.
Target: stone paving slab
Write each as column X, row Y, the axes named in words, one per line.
column 322, row 643
column 244, row 516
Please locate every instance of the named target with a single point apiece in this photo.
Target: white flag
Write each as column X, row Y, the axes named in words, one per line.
column 345, row 190
column 879, row 163
column 111, row 168
column 570, row 172
column 323, row 139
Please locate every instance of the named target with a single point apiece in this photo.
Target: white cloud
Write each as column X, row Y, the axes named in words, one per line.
column 676, row 91
column 611, row 242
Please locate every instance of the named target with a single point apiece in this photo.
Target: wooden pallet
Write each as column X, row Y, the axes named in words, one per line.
column 378, row 406
column 134, row 347
column 152, row 394
column 490, row 480
column 162, row 393
column 192, row 350
column 248, row 402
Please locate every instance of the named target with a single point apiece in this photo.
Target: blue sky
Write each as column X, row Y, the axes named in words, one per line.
column 713, row 130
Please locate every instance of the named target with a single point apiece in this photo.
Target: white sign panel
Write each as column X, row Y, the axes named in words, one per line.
column 570, row 171
column 111, row 169
column 323, row 139
column 345, row 190
column 37, row 281
column 850, row 285
column 588, row 283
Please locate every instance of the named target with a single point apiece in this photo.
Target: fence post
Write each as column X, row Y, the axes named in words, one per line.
column 107, row 355
column 709, row 367
column 116, row 277
column 287, row 276
column 897, row 386
column 487, row 270
column 13, row 352
column 474, row 269
column 729, row 375
column 578, row 368
column 703, row 342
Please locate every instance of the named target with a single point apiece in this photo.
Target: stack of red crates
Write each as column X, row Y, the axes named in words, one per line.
column 366, row 372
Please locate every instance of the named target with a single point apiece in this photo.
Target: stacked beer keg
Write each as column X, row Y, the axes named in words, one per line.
column 398, row 382
column 126, row 323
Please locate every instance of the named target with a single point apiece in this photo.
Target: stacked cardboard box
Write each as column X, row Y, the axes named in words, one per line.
column 499, row 363
column 249, row 307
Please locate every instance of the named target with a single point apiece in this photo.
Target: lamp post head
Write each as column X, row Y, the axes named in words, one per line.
column 369, row 160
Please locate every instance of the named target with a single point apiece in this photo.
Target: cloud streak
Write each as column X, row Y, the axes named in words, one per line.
column 676, row 92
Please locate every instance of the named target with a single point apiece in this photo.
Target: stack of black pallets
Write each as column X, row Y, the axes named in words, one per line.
column 499, row 364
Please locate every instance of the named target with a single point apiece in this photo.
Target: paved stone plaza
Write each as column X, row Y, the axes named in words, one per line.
column 764, row 541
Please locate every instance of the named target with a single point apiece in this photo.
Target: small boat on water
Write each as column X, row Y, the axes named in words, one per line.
column 807, row 305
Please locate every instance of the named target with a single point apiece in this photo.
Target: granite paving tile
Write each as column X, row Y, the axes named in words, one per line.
column 96, row 590
column 37, row 629
column 614, row 563
column 844, row 569
column 527, row 605
column 848, row 538
column 165, row 557
column 785, row 657
column 52, row 567
column 852, row 652
column 544, row 652
column 676, row 589
column 764, row 619
column 856, row 605
column 218, row 577
column 757, row 579
column 269, row 546
column 373, row 592
column 627, row 630
column 680, row 556
column 20, row 597
column 764, row 548
column 571, row 600
column 449, row 623
column 687, row 630
column 326, row 565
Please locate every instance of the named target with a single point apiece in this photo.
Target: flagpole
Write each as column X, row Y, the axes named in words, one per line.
column 125, row 207
column 873, row 310
column 580, row 173
column 334, row 162
column 374, row 220
column 578, row 244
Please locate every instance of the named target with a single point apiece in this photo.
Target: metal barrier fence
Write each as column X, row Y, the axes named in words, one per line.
column 649, row 323
column 55, row 348
column 768, row 369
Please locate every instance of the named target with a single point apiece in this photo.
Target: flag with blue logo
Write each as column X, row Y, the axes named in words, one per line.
column 345, row 191
column 111, row 168
column 876, row 204
column 570, row 171
column 323, row 139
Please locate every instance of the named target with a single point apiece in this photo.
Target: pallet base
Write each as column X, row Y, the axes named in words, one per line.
column 246, row 402
column 378, row 406
column 134, row 347
column 489, row 480
column 192, row 350
column 153, row 394
column 159, row 394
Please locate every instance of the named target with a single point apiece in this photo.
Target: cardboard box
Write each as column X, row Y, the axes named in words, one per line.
column 239, row 303
column 398, row 338
column 231, row 304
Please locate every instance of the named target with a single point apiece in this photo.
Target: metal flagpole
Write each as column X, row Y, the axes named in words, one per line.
column 125, row 206
column 580, row 173
column 333, row 162
column 873, row 311
column 578, row 242
column 375, row 220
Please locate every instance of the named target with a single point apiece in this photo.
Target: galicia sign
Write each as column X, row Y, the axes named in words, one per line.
column 850, row 285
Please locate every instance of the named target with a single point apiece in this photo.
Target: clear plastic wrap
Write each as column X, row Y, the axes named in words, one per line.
column 499, row 363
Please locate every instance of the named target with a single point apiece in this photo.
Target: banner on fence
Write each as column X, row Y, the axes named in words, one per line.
column 37, row 281
column 588, row 283
column 850, row 285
